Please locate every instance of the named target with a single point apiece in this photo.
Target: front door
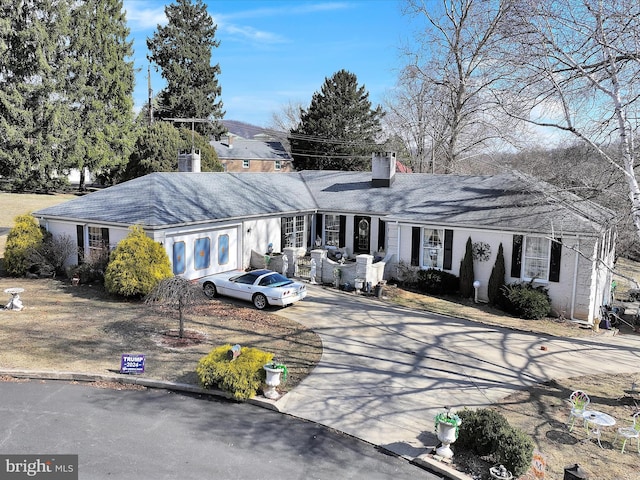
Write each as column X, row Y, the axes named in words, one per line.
column 361, row 234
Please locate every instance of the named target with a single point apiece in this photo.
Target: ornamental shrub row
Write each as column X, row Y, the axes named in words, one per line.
column 437, row 282
column 486, row 432
column 241, row 377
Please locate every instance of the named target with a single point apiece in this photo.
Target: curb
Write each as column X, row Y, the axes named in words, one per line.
column 425, row 461
column 133, row 380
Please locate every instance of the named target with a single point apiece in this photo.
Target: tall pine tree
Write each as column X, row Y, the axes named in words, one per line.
column 32, row 111
column 100, row 87
column 183, row 50
column 339, row 129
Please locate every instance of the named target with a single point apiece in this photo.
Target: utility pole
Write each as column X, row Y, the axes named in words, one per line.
column 150, row 94
column 193, row 122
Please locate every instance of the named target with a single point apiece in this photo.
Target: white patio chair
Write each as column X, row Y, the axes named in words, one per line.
column 579, row 401
column 630, row 432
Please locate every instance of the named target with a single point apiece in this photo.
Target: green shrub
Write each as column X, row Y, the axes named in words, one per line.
column 137, row 265
column 23, row 238
column 487, row 432
column 466, row 272
column 524, row 300
column 241, row 377
column 437, row 282
column 495, row 286
column 481, row 429
column 514, row 451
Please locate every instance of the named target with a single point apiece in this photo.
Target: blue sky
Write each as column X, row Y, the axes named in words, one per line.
column 274, row 52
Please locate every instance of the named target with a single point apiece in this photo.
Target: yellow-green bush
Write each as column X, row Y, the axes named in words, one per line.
column 137, row 265
column 24, row 237
column 241, row 377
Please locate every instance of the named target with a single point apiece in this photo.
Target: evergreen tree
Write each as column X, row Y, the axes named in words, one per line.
column 182, row 50
column 466, row 272
column 25, row 236
column 157, row 146
column 339, row 129
column 100, row 86
column 137, row 265
column 496, row 280
column 32, row 112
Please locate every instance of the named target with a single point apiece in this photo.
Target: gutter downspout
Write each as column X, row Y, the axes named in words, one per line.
column 575, row 279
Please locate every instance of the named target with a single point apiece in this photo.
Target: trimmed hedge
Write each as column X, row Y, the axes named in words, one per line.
column 437, row 282
column 241, row 377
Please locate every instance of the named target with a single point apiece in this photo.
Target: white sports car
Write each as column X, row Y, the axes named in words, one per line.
column 261, row 287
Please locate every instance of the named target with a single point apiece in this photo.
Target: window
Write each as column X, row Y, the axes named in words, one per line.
column 293, row 231
column 179, row 264
column 245, row 163
column 536, row 258
column 332, row 230
column 202, row 253
column 223, row 249
column 432, row 248
column 98, row 242
column 277, row 165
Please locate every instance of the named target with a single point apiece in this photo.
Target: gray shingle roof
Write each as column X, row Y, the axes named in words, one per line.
column 501, row 202
column 244, row 149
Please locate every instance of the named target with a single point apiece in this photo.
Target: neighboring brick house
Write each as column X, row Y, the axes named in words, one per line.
column 259, row 154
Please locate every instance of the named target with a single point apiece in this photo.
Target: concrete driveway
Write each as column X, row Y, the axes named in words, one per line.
column 386, row 370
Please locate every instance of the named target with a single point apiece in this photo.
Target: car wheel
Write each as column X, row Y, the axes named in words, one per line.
column 260, row 301
column 210, row 290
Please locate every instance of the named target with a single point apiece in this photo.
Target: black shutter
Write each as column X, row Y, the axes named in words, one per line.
column 105, row 237
column 382, row 233
column 80, row 241
column 283, row 238
column 554, row 263
column 448, row 250
column 516, row 257
column 319, row 227
column 415, row 246
column 343, row 231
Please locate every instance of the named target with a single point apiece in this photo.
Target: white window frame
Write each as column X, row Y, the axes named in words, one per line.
column 332, row 230
column 293, row 231
column 536, row 258
column 96, row 243
column 277, row 165
column 432, row 251
column 245, row 163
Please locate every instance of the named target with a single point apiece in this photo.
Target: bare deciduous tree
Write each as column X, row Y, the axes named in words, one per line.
column 576, row 69
column 178, row 293
column 451, row 75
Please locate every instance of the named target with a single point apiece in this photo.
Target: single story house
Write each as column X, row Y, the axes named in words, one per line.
column 212, row 222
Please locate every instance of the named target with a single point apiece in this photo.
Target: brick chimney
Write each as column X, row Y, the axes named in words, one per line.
column 383, row 166
column 229, row 139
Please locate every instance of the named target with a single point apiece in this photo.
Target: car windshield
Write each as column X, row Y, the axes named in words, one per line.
column 275, row 280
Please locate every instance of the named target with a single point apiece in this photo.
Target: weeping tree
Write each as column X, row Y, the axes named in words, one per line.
column 177, row 293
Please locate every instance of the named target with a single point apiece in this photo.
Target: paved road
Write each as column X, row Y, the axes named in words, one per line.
column 386, row 371
column 159, row 435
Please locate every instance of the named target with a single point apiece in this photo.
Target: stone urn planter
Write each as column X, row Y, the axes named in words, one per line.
column 447, row 425
column 273, row 380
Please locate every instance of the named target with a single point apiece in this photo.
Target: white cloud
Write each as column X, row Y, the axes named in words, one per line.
column 250, row 33
column 143, row 15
